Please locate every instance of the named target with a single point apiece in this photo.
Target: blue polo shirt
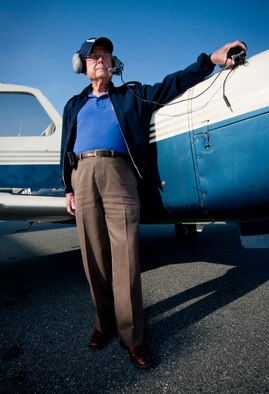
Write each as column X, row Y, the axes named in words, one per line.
column 98, row 127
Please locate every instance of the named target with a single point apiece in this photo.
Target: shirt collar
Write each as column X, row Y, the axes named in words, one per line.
column 90, row 95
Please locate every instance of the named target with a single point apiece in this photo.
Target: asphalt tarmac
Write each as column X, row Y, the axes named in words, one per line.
column 206, row 308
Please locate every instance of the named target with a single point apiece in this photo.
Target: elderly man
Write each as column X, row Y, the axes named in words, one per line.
column 104, row 146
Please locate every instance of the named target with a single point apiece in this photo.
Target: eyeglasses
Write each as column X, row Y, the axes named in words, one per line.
column 94, row 57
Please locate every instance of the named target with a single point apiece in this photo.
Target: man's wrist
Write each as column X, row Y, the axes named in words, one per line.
column 211, row 60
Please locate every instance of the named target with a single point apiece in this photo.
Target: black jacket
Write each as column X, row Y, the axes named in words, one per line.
column 134, row 104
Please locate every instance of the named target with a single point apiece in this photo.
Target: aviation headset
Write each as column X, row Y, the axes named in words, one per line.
column 79, row 62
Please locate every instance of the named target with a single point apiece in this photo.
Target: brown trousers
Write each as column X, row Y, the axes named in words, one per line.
column 107, row 216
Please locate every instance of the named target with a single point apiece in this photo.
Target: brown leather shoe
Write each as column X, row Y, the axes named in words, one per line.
column 99, row 339
column 139, row 355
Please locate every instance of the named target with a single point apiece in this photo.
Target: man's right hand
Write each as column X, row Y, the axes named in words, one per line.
column 70, row 203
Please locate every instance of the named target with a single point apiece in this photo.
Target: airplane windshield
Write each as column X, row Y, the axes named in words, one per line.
column 22, row 115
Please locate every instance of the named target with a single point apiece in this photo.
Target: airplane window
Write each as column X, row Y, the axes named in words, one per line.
column 21, row 114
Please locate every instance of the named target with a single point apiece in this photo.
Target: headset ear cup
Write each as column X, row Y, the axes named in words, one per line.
column 79, row 64
column 117, row 65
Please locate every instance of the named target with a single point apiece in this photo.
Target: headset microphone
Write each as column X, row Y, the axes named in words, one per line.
column 114, row 71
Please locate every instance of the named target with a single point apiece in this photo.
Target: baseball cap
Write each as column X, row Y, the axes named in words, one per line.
column 88, row 45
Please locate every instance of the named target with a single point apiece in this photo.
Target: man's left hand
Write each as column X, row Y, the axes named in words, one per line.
column 220, row 56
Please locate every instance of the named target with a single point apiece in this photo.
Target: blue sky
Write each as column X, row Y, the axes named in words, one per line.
column 152, row 37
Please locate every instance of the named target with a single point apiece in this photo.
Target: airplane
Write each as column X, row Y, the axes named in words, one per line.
column 208, row 156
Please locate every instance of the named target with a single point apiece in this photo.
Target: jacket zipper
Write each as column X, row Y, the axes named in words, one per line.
column 125, row 139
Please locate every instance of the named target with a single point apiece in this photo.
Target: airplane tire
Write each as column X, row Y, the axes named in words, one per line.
column 185, row 233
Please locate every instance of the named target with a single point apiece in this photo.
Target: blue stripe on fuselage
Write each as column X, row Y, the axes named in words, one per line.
column 30, row 176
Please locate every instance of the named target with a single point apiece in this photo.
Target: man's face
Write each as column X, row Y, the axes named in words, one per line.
column 98, row 62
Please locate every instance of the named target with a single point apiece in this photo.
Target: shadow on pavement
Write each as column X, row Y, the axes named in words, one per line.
column 46, row 314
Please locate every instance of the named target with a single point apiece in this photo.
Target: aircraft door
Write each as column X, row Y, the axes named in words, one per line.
column 172, row 145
